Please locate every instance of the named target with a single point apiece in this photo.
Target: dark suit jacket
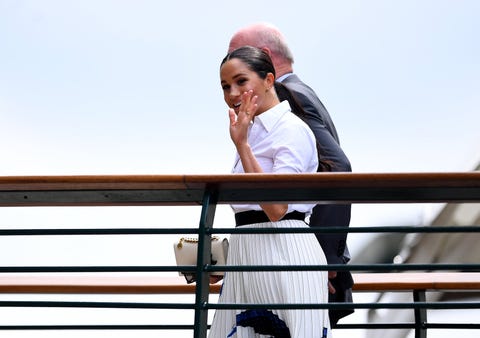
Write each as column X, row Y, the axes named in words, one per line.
column 324, row 215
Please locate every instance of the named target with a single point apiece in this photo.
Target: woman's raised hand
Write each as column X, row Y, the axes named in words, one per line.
column 239, row 122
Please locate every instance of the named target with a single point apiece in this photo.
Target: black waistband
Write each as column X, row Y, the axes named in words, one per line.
column 257, row 216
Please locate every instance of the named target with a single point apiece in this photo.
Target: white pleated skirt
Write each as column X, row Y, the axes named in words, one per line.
column 269, row 287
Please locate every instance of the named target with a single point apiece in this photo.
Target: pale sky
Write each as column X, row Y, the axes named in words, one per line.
column 132, row 87
column 123, row 87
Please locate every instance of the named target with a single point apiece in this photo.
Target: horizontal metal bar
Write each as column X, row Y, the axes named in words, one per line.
column 369, row 229
column 20, row 269
column 345, row 267
column 375, row 326
column 469, row 326
column 97, row 231
column 238, row 230
column 409, row 306
column 95, row 327
column 190, row 327
column 210, row 268
column 451, row 325
column 391, row 326
column 101, row 305
column 348, row 267
column 127, row 305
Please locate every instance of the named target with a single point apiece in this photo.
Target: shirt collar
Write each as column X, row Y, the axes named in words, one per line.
column 283, row 77
column 270, row 117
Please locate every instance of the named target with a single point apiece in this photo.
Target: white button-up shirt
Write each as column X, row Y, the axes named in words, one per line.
column 281, row 143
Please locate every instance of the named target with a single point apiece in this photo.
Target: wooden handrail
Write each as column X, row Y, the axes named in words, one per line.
column 99, row 283
column 416, row 281
column 469, row 179
column 231, row 188
column 131, row 284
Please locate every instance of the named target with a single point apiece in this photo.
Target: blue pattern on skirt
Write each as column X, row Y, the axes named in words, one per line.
column 264, row 322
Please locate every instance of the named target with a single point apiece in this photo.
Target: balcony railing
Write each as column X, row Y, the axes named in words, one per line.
column 210, row 190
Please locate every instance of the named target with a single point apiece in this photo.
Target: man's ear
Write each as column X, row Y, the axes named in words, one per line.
column 267, row 50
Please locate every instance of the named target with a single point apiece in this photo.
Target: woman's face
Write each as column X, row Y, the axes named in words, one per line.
column 236, row 78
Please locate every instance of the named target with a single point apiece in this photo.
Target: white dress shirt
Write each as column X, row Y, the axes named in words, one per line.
column 281, row 143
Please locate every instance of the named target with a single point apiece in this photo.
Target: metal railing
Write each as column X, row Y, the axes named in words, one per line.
column 211, row 190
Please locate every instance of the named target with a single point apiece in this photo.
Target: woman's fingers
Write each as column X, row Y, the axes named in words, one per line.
column 249, row 105
column 232, row 116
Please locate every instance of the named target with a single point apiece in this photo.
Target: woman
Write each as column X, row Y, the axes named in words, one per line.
column 269, row 139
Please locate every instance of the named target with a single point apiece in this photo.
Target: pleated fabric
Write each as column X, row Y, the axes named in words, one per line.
column 263, row 287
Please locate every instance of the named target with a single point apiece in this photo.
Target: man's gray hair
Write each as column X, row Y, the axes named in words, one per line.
column 275, row 41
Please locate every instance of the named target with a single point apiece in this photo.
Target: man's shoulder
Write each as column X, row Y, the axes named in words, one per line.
column 305, row 95
column 292, row 79
column 296, row 85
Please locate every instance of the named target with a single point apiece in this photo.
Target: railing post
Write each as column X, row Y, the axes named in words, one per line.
column 209, row 204
column 420, row 314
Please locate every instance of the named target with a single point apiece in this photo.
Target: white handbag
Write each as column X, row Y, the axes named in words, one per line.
column 186, row 254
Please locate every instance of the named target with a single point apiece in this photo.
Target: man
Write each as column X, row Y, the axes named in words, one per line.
column 271, row 40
